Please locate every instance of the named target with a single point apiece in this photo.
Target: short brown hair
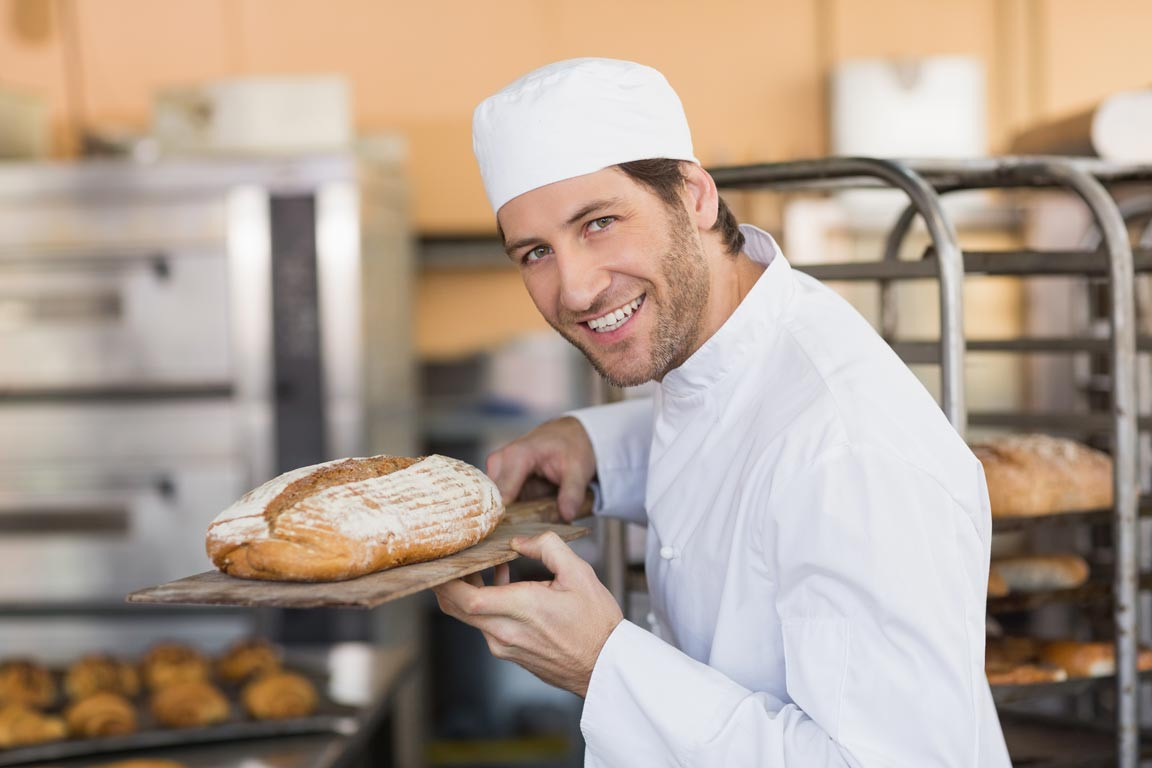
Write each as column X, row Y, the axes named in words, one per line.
column 664, row 178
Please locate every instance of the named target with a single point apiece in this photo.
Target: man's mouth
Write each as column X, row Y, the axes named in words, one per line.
column 616, row 318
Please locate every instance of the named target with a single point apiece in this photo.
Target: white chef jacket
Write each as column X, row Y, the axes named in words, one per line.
column 817, row 557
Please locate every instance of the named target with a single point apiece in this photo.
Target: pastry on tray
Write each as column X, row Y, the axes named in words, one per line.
column 279, row 696
column 23, row 681
column 248, row 658
column 190, row 705
column 170, row 663
column 344, row 519
column 99, row 672
column 23, row 726
column 101, row 714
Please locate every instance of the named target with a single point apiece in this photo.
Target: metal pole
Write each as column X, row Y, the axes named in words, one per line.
column 613, row 533
column 1125, row 459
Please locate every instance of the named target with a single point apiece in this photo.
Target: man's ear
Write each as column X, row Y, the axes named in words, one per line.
column 702, row 198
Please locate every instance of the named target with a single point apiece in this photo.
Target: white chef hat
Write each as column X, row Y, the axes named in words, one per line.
column 572, row 118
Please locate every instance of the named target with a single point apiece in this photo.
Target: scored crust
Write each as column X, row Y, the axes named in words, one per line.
column 1037, row 474
column 344, row 519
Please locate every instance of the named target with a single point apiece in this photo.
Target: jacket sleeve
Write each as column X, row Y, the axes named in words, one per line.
column 880, row 602
column 621, row 435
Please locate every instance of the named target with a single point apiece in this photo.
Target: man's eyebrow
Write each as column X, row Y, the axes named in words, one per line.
column 595, row 205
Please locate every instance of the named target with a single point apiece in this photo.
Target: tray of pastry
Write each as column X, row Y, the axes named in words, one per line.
column 174, row 695
column 1020, row 668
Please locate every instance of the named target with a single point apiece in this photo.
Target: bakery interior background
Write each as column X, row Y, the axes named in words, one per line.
column 240, row 236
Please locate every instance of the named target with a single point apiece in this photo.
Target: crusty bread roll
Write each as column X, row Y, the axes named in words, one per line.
column 22, row 726
column 1094, row 659
column 189, row 705
column 997, row 587
column 1042, row 475
column 170, row 663
column 1011, row 650
column 1038, row 573
column 23, row 681
column 278, row 696
column 1001, row 673
column 98, row 672
column 101, row 714
column 347, row 518
column 248, row 658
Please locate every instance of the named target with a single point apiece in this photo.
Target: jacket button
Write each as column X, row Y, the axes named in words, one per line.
column 668, row 553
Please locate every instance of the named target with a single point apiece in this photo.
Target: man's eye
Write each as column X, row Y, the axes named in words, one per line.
column 601, row 223
column 536, row 253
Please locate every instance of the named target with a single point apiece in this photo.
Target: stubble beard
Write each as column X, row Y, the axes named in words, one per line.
column 678, row 314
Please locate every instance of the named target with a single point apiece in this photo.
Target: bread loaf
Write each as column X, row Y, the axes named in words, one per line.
column 101, row 714
column 1042, row 475
column 278, row 696
column 1001, row 673
column 347, row 518
column 1039, row 573
column 1087, row 659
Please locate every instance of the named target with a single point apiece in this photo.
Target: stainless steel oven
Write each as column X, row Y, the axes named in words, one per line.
column 171, row 335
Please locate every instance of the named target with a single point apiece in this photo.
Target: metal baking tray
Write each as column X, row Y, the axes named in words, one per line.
column 1007, row 694
column 387, row 667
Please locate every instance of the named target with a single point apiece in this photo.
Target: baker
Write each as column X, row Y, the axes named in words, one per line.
column 817, row 533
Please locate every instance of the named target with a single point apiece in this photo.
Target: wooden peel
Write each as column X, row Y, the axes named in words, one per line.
column 521, row 518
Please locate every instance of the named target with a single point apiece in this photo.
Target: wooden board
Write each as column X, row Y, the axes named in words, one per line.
column 214, row 588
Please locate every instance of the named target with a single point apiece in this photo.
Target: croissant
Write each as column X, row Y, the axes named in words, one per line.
column 279, row 696
column 101, row 714
column 347, row 518
column 98, row 672
column 246, row 659
column 25, row 682
column 188, row 705
column 169, row 663
column 22, row 726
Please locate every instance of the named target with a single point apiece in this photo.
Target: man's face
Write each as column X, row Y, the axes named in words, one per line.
column 615, row 270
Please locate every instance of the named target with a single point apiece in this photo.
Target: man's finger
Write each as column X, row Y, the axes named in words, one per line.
column 508, row 468
column 501, row 576
column 573, row 486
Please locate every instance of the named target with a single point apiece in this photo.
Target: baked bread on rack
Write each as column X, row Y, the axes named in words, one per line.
column 23, row 681
column 99, row 672
column 1039, row 573
column 1036, row 474
column 170, row 663
column 1087, row 659
column 1008, row 673
column 279, row 696
column 348, row 518
column 190, row 705
column 248, row 658
column 22, row 726
column 101, row 714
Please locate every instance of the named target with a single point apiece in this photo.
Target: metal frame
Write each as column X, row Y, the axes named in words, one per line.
column 924, row 182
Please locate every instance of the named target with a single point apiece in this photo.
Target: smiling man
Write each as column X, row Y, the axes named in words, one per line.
column 818, row 535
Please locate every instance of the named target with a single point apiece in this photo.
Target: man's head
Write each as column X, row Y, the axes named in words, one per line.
column 617, row 229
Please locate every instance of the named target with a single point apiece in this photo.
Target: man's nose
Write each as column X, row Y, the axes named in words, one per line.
column 582, row 279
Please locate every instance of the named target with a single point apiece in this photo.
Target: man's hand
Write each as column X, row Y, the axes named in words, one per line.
column 560, row 451
column 554, row 629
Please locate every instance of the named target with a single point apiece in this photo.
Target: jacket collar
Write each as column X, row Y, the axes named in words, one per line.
column 749, row 323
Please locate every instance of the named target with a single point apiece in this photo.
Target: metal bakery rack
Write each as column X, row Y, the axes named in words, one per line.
column 1108, row 257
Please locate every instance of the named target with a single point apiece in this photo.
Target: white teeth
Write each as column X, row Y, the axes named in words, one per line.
column 612, row 320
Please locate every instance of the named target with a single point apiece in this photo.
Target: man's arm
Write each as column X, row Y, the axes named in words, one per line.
column 879, row 597
column 608, row 444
